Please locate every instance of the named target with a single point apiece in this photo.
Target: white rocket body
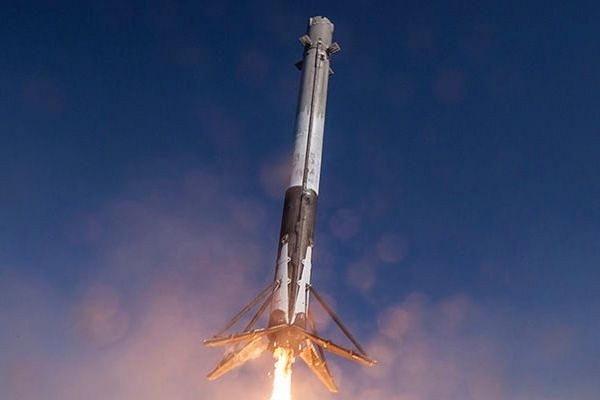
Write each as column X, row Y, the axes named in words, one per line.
column 296, row 239
column 290, row 325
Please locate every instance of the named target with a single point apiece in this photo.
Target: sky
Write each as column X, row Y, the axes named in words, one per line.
column 144, row 153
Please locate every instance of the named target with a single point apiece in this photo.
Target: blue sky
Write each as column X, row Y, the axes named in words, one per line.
column 143, row 159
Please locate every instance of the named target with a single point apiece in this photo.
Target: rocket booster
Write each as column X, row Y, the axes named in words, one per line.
column 290, row 325
column 296, row 238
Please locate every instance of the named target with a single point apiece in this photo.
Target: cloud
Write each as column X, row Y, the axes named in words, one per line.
column 361, row 275
column 425, row 351
column 391, row 248
column 171, row 261
column 100, row 318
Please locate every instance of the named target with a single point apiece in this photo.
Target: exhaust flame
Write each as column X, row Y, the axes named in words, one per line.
column 282, row 375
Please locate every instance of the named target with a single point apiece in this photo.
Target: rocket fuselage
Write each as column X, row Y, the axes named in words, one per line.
column 296, row 238
column 290, row 325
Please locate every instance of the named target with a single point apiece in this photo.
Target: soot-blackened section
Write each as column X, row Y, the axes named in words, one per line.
column 297, row 229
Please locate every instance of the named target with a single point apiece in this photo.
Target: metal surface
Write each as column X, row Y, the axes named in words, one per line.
column 289, row 324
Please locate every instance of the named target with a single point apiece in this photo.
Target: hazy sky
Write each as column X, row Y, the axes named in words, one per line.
column 143, row 159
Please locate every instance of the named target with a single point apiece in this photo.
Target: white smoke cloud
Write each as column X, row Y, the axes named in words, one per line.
column 173, row 260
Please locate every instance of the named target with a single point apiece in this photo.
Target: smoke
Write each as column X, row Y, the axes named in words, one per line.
column 427, row 351
column 168, row 262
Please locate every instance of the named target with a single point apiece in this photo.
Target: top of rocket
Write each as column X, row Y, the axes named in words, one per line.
column 320, row 28
column 317, row 19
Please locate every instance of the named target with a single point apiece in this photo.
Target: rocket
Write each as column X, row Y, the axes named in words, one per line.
column 290, row 324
